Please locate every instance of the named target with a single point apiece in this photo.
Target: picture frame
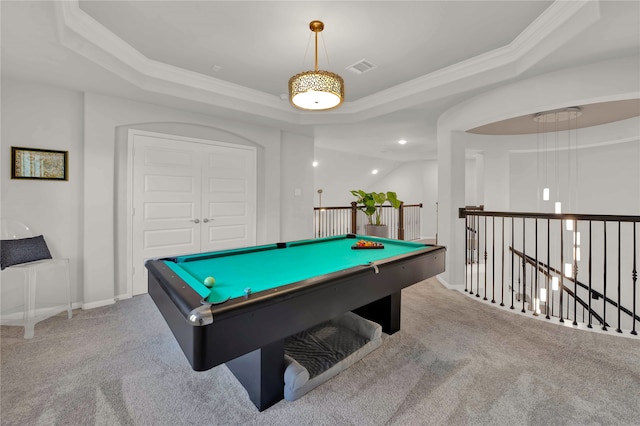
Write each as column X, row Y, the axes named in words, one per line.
column 34, row 163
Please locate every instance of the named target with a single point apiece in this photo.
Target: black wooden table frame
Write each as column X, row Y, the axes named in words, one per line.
column 249, row 335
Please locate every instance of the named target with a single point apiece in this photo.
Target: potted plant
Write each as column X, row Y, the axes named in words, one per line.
column 371, row 204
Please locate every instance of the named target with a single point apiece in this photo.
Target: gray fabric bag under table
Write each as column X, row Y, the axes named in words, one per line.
column 315, row 355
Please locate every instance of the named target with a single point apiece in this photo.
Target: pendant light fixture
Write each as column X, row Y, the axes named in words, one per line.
column 557, row 118
column 316, row 90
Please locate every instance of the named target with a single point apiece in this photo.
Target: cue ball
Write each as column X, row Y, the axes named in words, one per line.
column 209, row 281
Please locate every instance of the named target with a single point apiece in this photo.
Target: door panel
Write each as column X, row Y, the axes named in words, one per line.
column 229, row 198
column 166, row 193
column 228, row 234
column 159, row 183
column 189, row 197
column 169, row 239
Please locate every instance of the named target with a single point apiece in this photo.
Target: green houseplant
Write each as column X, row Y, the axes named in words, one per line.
column 371, row 204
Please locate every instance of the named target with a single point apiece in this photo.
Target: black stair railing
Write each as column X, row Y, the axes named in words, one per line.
column 590, row 266
column 544, row 269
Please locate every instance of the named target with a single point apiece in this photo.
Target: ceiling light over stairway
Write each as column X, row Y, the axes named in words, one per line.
column 316, row 90
column 550, row 124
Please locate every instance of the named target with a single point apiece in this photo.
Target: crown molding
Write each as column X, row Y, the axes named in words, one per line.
column 84, row 35
column 559, row 23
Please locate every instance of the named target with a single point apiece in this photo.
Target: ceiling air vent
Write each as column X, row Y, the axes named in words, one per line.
column 361, row 66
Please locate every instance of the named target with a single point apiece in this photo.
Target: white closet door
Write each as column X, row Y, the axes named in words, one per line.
column 167, row 202
column 189, row 197
column 228, row 197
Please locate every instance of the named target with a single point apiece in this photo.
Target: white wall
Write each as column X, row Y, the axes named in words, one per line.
column 84, row 218
column 339, row 172
column 597, row 82
column 39, row 116
column 415, row 182
column 606, row 160
column 296, row 218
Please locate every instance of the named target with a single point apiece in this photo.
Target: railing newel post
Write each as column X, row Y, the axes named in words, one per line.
column 401, row 221
column 354, row 217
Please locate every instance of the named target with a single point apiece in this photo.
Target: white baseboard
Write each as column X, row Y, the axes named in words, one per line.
column 17, row 318
column 123, row 296
column 447, row 285
column 98, row 303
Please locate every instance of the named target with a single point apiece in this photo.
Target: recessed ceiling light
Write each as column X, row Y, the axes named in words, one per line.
column 374, row 171
column 314, row 164
column 402, row 141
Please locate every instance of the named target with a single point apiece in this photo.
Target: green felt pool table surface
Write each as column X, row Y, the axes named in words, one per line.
column 267, row 267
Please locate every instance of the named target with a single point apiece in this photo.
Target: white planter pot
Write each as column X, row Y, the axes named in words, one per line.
column 377, row 230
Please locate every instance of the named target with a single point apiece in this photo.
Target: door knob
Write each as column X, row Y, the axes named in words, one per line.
column 205, row 220
column 195, row 220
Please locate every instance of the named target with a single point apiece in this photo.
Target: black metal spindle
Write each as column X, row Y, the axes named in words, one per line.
column 604, row 281
column 546, row 306
column 502, row 267
column 570, row 271
column 493, row 259
column 524, row 264
column 472, row 231
column 485, row 258
column 634, row 277
column 575, row 272
column 619, row 330
column 466, row 251
column 478, row 252
column 589, row 325
column 561, row 270
column 535, row 293
column 512, row 261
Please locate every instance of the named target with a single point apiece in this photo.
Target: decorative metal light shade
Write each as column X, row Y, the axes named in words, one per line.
column 316, row 90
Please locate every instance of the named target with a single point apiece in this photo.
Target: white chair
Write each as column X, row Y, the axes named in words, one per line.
column 14, row 230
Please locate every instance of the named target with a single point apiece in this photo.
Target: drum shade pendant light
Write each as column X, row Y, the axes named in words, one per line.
column 316, row 90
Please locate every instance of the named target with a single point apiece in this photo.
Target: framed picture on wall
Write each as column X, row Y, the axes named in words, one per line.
column 33, row 163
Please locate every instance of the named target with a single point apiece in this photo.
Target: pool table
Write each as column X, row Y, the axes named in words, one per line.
column 264, row 294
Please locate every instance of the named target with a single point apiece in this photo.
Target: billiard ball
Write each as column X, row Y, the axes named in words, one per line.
column 209, row 281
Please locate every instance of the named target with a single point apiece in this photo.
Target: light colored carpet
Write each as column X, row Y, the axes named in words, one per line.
column 455, row 361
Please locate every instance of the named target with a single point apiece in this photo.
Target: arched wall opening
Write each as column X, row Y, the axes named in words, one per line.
column 597, row 82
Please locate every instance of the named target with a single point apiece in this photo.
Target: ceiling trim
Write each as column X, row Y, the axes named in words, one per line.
column 555, row 18
column 559, row 23
column 84, row 35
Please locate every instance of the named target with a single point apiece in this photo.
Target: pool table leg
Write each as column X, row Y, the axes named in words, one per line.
column 261, row 372
column 385, row 311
